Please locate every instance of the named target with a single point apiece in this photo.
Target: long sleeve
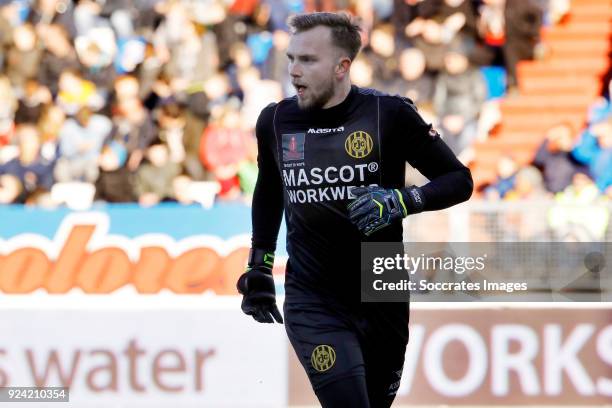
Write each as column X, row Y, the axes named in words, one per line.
column 450, row 181
column 267, row 207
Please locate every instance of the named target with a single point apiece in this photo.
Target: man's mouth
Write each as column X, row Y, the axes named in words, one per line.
column 300, row 89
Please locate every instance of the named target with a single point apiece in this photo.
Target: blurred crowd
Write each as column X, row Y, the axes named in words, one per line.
column 156, row 100
column 574, row 169
column 568, row 163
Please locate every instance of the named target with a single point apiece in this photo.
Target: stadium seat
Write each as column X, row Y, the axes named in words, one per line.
column 558, row 88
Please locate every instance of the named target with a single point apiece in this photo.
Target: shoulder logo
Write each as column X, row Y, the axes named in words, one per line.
column 323, row 357
column 358, row 144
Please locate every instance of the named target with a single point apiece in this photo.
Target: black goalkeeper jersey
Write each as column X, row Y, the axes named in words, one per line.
column 309, row 160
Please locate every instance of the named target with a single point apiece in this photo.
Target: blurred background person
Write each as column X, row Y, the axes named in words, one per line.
column 153, row 182
column 523, row 20
column 460, row 91
column 80, row 142
column 114, row 182
column 33, row 170
column 555, row 159
column 594, row 149
column 24, row 56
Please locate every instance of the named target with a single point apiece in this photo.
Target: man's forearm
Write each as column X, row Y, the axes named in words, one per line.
column 267, row 213
column 447, row 190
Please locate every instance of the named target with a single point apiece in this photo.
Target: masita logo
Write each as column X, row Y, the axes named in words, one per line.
column 326, row 130
column 83, row 255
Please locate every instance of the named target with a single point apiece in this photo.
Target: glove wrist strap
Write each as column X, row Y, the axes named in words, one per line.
column 414, row 199
column 261, row 258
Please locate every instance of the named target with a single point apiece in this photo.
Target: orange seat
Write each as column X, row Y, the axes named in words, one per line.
column 590, row 9
column 521, row 156
column 552, row 86
column 562, row 34
column 508, row 144
column 595, row 46
column 547, row 102
column 540, row 121
column 541, row 69
column 595, row 28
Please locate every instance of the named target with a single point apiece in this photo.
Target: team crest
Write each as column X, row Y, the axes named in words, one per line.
column 293, row 146
column 358, row 144
column 323, row 358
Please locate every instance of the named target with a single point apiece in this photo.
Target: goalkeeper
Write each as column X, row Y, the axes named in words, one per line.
column 333, row 158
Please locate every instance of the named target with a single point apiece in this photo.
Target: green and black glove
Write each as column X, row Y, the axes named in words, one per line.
column 257, row 287
column 376, row 208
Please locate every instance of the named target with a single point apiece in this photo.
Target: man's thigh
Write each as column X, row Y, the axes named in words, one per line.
column 325, row 342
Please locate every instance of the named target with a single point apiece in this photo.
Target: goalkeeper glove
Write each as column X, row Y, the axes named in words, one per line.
column 257, row 287
column 376, row 207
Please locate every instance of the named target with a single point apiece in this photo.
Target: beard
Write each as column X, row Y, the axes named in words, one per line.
column 317, row 99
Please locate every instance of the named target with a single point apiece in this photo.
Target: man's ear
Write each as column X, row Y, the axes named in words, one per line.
column 343, row 66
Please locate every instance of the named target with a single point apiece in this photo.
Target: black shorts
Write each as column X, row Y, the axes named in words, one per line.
column 333, row 342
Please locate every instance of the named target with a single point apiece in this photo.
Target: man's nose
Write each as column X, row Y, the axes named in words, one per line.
column 295, row 70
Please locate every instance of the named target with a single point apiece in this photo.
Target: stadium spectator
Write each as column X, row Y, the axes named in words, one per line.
column 523, row 20
column 415, row 82
column 33, row 101
column 153, row 181
column 428, row 36
column 383, row 57
column 76, row 93
column 95, row 53
column 528, row 185
column 58, row 56
column 492, row 22
column 114, row 182
column 171, row 121
column 460, row 91
column 554, row 157
column 126, row 87
column 134, row 128
column 275, row 68
column 60, row 12
column 491, row 33
column 223, row 148
column 196, row 118
column 81, row 140
column 33, row 170
column 595, row 150
column 24, row 56
column 505, row 181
